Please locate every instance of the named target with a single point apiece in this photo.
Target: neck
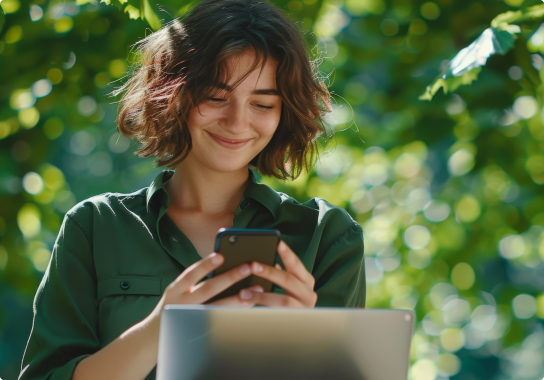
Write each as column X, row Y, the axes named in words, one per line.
column 197, row 189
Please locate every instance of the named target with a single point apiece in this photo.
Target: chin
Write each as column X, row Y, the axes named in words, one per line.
column 226, row 165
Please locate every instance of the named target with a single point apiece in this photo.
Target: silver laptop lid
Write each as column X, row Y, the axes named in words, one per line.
column 205, row 342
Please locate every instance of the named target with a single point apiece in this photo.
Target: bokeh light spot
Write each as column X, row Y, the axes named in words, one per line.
column 118, row 143
column 86, row 105
column 462, row 276
column 13, row 34
column 467, row 209
column 64, row 24
column 436, row 211
column 524, row 306
column 419, row 258
column 512, row 246
column 417, row 237
column 28, row 220
column 460, row 162
column 40, row 258
column 407, row 165
column 430, row 11
column 32, row 183
column 10, row 6
column 118, row 68
column 29, row 117
column 448, row 364
column 525, row 107
column 54, row 75
column 42, row 88
column 515, row 73
column 21, row 99
column 452, row 339
column 423, row 369
column 36, row 12
column 53, row 177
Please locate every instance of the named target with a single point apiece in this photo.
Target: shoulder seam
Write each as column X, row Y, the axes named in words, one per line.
column 354, row 226
column 81, row 228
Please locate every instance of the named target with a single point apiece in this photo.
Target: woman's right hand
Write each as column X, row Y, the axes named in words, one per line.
column 185, row 289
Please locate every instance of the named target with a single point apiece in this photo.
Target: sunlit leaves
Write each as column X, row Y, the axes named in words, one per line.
column 137, row 9
column 466, row 65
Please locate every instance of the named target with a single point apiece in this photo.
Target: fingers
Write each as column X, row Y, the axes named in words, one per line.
column 244, row 298
column 292, row 285
column 275, row 300
column 197, row 271
column 210, row 288
column 294, row 266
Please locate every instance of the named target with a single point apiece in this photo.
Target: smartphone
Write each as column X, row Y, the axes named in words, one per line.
column 244, row 245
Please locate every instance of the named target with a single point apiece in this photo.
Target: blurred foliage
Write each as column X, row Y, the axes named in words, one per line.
column 449, row 192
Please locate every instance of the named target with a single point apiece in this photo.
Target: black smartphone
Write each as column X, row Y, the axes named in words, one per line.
column 244, row 245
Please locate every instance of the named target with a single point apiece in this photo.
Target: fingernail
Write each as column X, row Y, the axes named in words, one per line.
column 257, row 288
column 246, row 294
column 244, row 270
column 216, row 259
column 282, row 246
column 257, row 267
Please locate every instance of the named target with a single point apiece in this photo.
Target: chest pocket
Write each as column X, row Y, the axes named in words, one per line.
column 128, row 285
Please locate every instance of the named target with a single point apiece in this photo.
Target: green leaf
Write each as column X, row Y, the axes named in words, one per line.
column 465, row 66
column 530, row 14
column 118, row 3
column 450, row 84
column 149, row 14
column 133, row 12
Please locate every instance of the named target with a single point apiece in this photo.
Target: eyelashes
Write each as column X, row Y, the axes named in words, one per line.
column 220, row 100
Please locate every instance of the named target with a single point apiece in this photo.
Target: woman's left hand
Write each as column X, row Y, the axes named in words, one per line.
column 297, row 282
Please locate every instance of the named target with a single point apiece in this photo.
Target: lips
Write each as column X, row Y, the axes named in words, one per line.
column 228, row 142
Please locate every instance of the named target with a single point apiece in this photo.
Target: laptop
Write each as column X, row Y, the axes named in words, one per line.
column 207, row 342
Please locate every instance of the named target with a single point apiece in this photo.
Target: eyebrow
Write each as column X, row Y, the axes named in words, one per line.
column 261, row 91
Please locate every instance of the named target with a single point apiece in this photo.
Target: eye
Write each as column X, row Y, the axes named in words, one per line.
column 262, row 106
column 216, row 100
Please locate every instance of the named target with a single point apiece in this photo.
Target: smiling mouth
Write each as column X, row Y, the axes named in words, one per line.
column 229, row 143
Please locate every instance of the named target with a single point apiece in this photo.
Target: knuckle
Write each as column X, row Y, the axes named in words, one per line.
column 314, row 298
column 234, row 275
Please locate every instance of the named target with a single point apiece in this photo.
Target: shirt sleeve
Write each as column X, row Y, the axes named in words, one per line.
column 340, row 275
column 65, row 324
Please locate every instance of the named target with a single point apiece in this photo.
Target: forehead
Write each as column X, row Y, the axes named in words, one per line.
column 240, row 65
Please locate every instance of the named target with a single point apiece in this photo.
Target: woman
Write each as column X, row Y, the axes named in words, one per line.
column 230, row 87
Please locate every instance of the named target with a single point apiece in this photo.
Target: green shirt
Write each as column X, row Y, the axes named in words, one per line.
column 116, row 253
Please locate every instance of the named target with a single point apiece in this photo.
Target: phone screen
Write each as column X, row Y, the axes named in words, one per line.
column 241, row 245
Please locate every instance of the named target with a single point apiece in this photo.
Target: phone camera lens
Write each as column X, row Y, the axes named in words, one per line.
column 232, row 239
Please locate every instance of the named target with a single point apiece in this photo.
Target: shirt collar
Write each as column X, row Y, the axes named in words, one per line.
column 255, row 190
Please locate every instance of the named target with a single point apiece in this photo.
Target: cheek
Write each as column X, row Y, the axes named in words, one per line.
column 200, row 115
column 268, row 124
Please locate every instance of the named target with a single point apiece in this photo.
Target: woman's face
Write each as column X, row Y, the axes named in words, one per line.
column 228, row 132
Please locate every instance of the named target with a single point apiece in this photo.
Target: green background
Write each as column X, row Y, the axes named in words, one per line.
column 448, row 191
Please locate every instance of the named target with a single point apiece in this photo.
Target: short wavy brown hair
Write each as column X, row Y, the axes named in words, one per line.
column 179, row 64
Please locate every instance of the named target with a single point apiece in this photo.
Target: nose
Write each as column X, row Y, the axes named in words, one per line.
column 235, row 118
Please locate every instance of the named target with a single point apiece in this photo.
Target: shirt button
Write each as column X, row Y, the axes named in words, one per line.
column 124, row 285
column 245, row 204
